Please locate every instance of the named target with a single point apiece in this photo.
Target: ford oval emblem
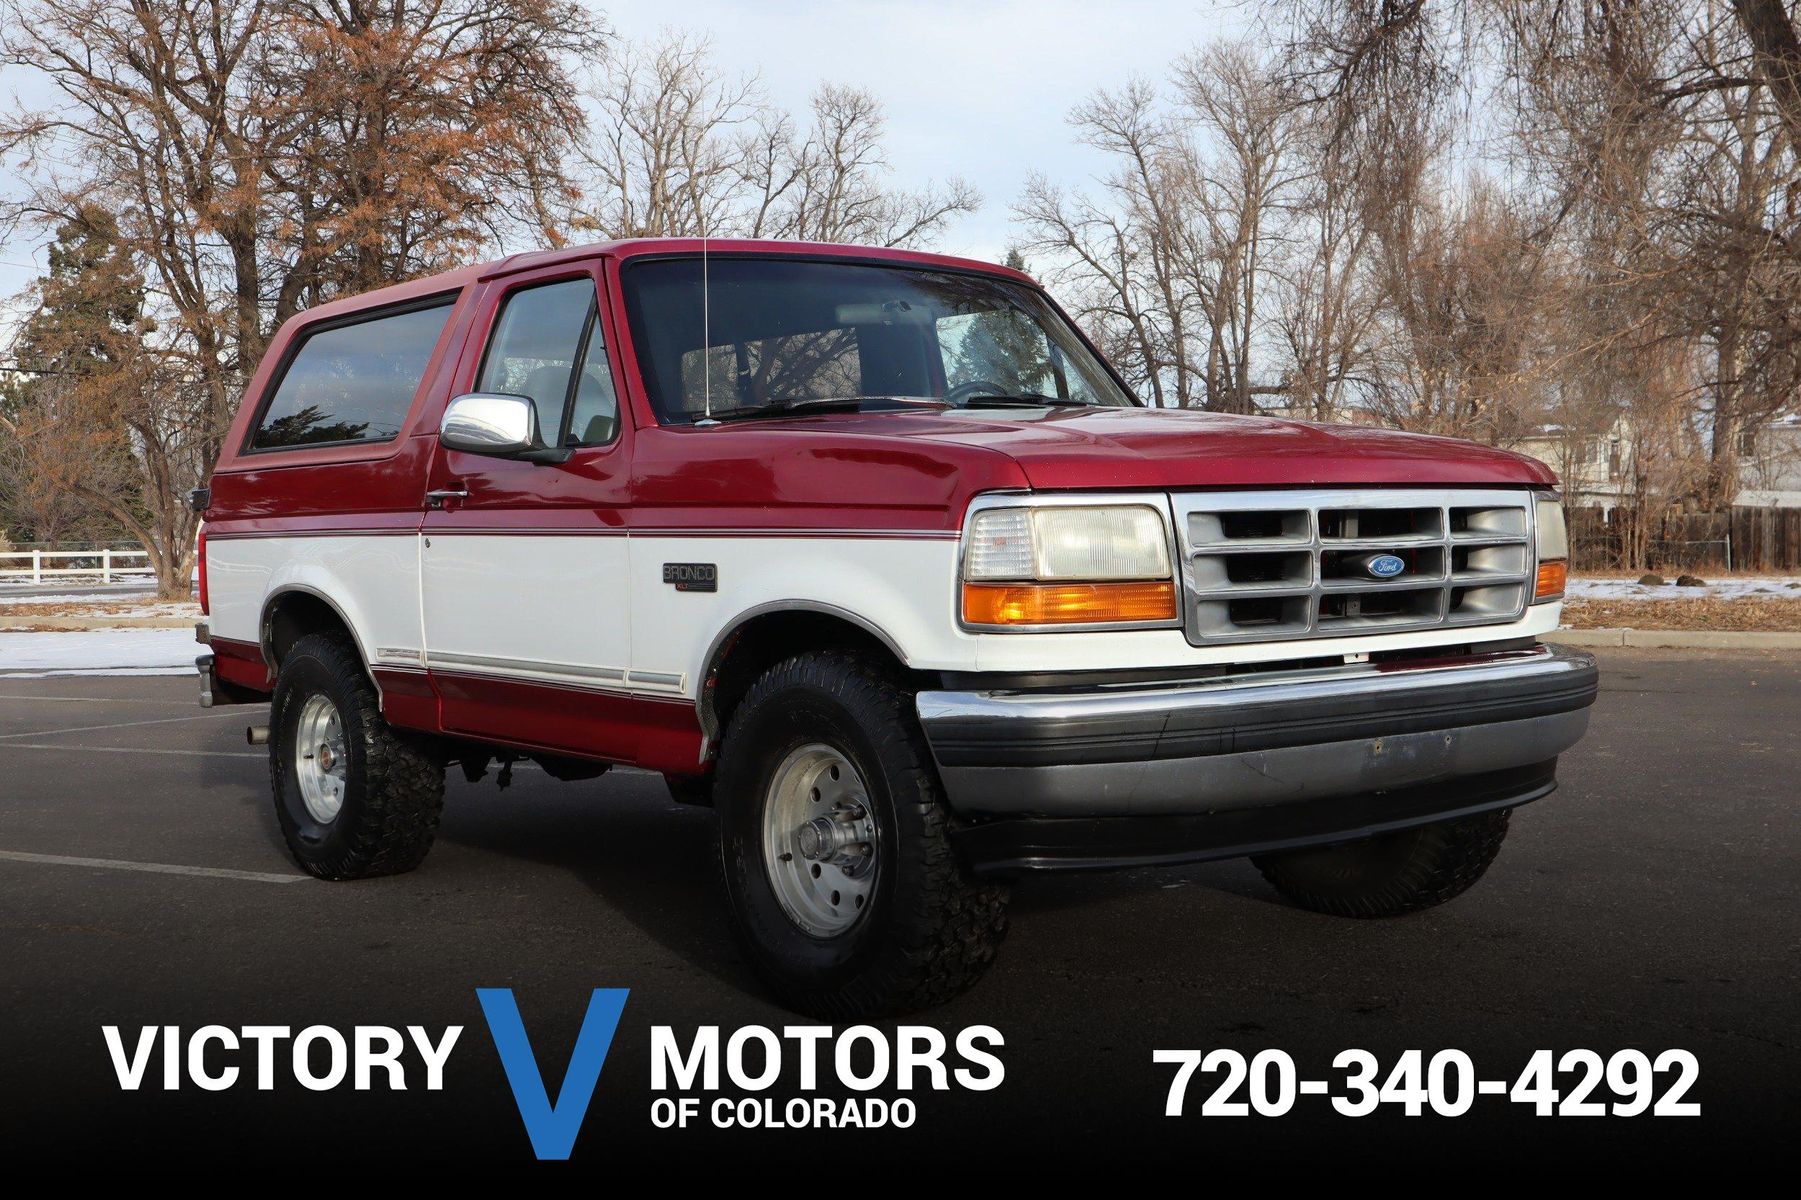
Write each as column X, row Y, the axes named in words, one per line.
column 1386, row 566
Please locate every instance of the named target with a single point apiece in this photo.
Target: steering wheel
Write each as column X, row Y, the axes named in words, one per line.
column 960, row 395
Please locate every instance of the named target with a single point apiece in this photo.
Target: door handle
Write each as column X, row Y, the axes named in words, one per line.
column 439, row 497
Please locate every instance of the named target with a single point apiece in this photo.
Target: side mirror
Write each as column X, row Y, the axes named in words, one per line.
column 498, row 426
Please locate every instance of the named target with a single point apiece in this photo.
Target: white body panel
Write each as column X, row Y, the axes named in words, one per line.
column 898, row 586
column 907, row 590
column 527, row 606
column 373, row 580
column 537, row 603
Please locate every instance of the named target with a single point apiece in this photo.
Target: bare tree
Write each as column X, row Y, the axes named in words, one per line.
column 1121, row 251
column 1769, row 26
column 264, row 155
column 1325, row 304
column 1241, row 189
column 674, row 141
column 1171, row 257
column 1654, row 148
column 681, row 149
column 840, row 190
column 1462, row 285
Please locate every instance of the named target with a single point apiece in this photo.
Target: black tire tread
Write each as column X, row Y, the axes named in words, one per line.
column 948, row 939
column 1442, row 861
column 403, row 776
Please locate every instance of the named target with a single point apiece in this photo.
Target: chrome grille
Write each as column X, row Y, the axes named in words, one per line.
column 1266, row 566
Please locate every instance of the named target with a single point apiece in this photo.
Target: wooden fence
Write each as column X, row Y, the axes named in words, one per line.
column 1742, row 539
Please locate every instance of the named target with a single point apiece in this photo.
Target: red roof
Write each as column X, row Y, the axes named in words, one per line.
column 459, row 278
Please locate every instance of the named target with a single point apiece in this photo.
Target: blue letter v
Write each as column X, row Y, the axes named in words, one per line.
column 552, row 1128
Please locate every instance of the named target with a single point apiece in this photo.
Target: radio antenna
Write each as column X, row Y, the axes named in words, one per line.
column 706, row 333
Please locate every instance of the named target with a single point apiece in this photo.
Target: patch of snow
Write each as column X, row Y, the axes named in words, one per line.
column 99, row 652
column 1734, row 588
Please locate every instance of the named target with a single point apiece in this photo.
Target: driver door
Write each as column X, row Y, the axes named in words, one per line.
column 523, row 565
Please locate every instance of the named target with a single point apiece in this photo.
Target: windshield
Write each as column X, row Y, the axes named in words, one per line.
column 790, row 333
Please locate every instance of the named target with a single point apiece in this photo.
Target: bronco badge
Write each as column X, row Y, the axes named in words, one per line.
column 692, row 577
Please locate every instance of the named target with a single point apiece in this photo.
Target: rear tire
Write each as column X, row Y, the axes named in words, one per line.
column 890, row 920
column 355, row 797
column 1393, row 873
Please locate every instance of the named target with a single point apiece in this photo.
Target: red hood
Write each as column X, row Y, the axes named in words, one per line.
column 1170, row 448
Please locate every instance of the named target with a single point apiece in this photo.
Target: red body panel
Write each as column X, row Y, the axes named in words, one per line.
column 241, row 663
column 1163, row 448
column 841, row 473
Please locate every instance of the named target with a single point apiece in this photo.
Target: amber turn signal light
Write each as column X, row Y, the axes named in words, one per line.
column 1551, row 579
column 1068, row 603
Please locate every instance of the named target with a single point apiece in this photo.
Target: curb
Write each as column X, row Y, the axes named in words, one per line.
column 1677, row 639
column 16, row 624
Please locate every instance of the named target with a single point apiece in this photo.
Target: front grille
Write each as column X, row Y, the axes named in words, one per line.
column 1264, row 566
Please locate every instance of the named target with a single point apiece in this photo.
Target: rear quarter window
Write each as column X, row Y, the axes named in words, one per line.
column 352, row 382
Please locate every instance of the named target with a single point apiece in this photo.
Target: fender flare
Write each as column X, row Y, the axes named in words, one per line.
column 769, row 607
column 265, row 626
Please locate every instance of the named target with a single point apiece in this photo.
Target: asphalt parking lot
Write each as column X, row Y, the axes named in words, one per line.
column 1651, row 903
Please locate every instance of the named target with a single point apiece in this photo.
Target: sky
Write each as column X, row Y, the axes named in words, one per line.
column 978, row 88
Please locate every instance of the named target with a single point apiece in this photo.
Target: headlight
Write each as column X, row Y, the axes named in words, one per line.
column 1553, row 550
column 1068, row 565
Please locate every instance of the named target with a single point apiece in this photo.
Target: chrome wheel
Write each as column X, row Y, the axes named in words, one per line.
column 321, row 758
column 819, row 840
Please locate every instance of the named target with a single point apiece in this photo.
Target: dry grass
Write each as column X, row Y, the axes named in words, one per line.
column 95, row 608
column 1744, row 614
column 1711, row 574
column 24, row 611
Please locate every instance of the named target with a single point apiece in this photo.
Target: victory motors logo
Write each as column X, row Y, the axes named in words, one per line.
column 712, row 1076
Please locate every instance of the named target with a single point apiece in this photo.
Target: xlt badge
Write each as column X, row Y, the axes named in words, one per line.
column 692, row 577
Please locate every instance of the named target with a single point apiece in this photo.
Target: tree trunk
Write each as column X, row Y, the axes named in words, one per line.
column 1773, row 39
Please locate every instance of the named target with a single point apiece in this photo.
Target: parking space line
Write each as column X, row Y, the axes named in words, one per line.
column 119, row 864
column 205, row 716
column 133, row 750
column 171, row 703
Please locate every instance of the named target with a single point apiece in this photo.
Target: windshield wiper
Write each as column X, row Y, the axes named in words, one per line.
column 810, row 404
column 1023, row 400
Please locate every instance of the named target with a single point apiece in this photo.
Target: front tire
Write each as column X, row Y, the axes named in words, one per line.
column 1390, row 874
column 834, row 842
column 355, row 797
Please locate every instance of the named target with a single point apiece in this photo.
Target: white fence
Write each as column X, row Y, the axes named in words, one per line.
column 40, row 566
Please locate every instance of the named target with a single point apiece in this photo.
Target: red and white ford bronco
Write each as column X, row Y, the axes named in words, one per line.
column 874, row 553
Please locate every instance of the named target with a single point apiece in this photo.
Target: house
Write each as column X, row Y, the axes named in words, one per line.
column 1596, row 468
column 1770, row 464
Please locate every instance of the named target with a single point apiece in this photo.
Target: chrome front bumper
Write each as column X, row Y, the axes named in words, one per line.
column 1258, row 739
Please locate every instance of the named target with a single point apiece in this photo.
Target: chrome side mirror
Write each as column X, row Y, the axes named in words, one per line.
column 496, row 425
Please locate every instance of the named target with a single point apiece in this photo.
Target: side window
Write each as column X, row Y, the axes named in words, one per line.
column 351, row 383
column 541, row 336
column 594, row 415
